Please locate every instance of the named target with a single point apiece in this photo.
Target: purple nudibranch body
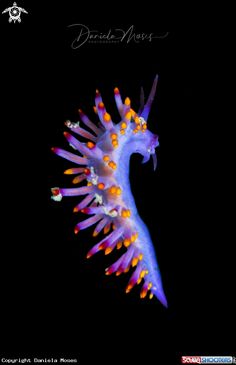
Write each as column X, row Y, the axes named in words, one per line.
column 104, row 164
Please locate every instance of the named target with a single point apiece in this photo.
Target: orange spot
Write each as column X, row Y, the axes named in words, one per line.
column 116, row 90
column 86, row 171
column 149, row 286
column 136, row 119
column 143, row 293
column 95, row 233
column 101, row 105
column 144, row 125
column 118, row 273
column 88, row 255
column 76, row 180
column 108, row 250
column 142, row 274
column 106, row 158
column 115, row 143
column 107, row 117
column 127, row 101
column 112, row 165
column 118, row 191
column 134, row 237
column 128, row 115
column 128, row 288
column 95, row 109
column 140, row 257
column 127, row 242
column 76, row 209
column 113, row 136
column 143, row 130
column 112, row 190
column 89, row 183
column 90, row 145
column 123, row 213
column 123, row 125
column 106, row 229
column 138, row 127
column 101, row 186
column 68, row 172
column 134, row 261
column 119, row 245
column 126, row 270
column 122, row 131
column 135, row 131
column 101, row 247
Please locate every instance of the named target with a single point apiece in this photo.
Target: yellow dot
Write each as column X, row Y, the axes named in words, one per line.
column 90, row 145
column 118, row 191
column 115, row 142
column 101, row 186
column 106, row 158
column 128, row 115
column 127, row 242
column 143, row 273
column 68, row 172
column 127, row 101
column 107, row 117
column 123, row 125
column 113, row 136
column 113, row 190
column 123, row 213
column 133, row 238
column 134, row 261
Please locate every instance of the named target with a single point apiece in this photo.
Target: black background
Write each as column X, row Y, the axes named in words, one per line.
column 56, row 303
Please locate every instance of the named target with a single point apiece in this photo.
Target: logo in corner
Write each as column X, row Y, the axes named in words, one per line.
column 14, row 12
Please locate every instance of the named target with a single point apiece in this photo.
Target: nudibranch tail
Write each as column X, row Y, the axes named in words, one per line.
column 103, row 163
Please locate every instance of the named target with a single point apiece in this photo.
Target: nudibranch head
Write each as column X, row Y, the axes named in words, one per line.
column 103, row 165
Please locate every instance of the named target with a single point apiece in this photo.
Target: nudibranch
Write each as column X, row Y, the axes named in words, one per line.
column 103, row 164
